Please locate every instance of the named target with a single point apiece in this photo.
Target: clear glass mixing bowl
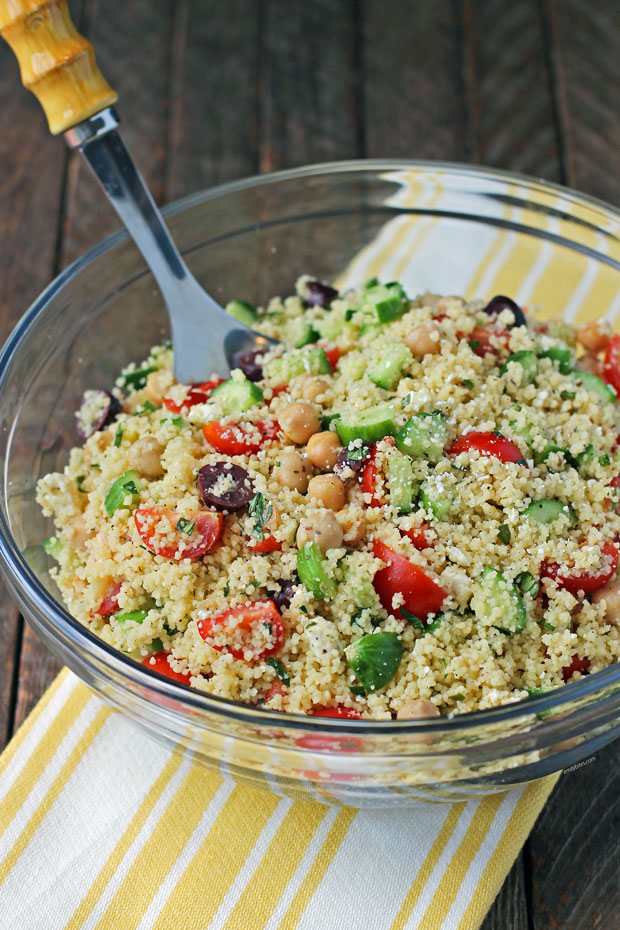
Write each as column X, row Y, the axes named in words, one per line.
column 446, row 228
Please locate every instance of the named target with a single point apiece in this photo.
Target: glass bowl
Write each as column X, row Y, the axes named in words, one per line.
column 447, row 228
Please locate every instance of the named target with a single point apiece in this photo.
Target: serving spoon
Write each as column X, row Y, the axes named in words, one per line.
column 58, row 65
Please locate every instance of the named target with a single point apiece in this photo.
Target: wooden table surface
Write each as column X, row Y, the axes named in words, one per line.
column 212, row 90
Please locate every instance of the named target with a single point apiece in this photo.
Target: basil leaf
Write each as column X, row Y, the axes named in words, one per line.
column 375, row 659
column 412, row 619
column 260, row 510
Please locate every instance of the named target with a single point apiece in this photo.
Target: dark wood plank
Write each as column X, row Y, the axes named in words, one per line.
column 508, row 87
column 214, row 114
column 308, row 83
column 575, row 849
column 509, row 910
column 584, row 41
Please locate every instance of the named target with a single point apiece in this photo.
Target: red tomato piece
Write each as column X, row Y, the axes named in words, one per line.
column 275, row 688
column 422, row 595
column 577, row 664
column 240, row 440
column 588, row 582
column 197, row 394
column 175, row 544
column 417, row 535
column 158, row 662
column 611, row 363
column 488, row 444
column 483, row 336
column 109, row 604
column 242, row 623
column 344, row 713
column 370, row 472
column 333, row 356
column 267, row 544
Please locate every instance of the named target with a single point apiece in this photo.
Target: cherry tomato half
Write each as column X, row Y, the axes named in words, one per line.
column 370, row 473
column 422, row 595
column 588, row 582
column 481, row 339
column 267, row 544
column 158, row 662
column 109, row 604
column 611, row 363
column 488, row 444
column 345, row 713
column 197, row 394
column 240, row 440
column 240, row 626
column 417, row 535
column 172, row 542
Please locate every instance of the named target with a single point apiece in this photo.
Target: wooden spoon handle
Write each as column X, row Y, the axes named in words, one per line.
column 57, row 64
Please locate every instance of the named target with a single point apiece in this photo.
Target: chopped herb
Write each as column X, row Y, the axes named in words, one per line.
column 185, row 526
column 412, row 620
column 406, row 400
column 357, row 453
column 457, row 697
column 256, row 584
column 357, row 689
column 175, row 420
column 226, row 589
column 312, row 623
column 604, row 459
column 527, row 584
column 80, row 481
column 137, row 379
column 568, row 395
column 546, row 625
column 95, row 465
column 261, row 511
column 156, row 645
column 269, row 628
column 517, row 407
column 431, row 627
column 504, row 533
column 277, row 463
column 467, row 383
column 303, row 609
column 473, row 344
column 118, row 436
column 130, row 616
column 147, row 407
column 350, row 313
column 279, row 669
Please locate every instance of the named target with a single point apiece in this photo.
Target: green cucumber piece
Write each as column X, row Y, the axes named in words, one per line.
column 352, row 365
column 437, row 504
column 128, row 484
column 500, row 597
column 330, row 326
column 595, row 385
column 388, row 367
column 131, row 616
column 237, row 395
column 546, row 511
column 388, row 301
column 243, row 311
column 563, row 357
column 403, row 489
column 312, row 574
column 369, row 425
column 375, row 659
column 423, row 436
column 585, row 458
column 540, row 457
column 53, row 547
column 298, row 332
column 297, row 362
column 527, row 360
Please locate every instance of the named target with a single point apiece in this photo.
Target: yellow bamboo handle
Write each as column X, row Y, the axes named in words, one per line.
column 57, row 64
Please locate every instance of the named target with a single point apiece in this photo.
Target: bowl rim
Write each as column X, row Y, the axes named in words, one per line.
column 142, row 676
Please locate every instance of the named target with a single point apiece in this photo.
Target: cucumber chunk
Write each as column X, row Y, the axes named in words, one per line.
column 388, row 301
column 403, row 489
column 298, row 332
column 53, row 547
column 542, row 456
column 297, row 362
column 498, row 599
column 312, row 574
column 243, row 311
column 527, row 360
column 369, row 425
column 388, row 367
column 546, row 511
column 128, row 484
column 353, row 365
column 423, row 436
column 237, row 395
column 439, row 504
column 563, row 357
column 594, row 384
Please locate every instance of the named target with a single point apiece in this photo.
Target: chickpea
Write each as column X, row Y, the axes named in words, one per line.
column 414, row 710
column 354, row 526
column 292, row 471
column 79, row 532
column 145, row 456
column 96, row 444
column 589, row 363
column 157, row 385
column 308, row 387
column 611, row 593
column 423, row 340
column 321, row 528
column 299, row 421
column 594, row 336
column 327, row 490
column 323, row 449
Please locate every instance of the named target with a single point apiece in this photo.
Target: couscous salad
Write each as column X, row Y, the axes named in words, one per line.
column 408, row 509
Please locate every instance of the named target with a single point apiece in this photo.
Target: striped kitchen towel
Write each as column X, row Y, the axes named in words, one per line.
column 103, row 828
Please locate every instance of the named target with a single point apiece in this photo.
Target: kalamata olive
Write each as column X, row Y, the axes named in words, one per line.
column 282, row 598
column 352, row 457
column 97, row 410
column 224, row 486
column 499, row 303
column 317, row 294
column 246, row 361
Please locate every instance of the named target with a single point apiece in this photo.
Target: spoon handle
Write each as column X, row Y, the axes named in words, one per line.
column 57, row 64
